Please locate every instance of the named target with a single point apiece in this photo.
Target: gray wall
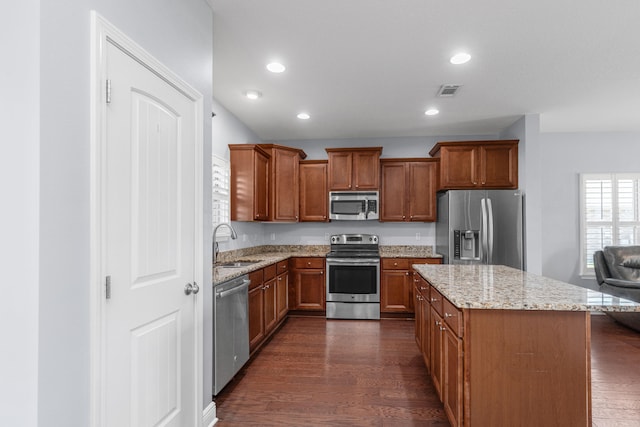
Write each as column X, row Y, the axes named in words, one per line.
column 566, row 156
column 19, row 178
column 179, row 34
column 527, row 130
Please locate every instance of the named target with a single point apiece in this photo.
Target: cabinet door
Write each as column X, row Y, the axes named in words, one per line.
column 261, row 188
column 422, row 188
column 459, row 167
column 395, row 291
column 256, row 317
column 452, row 372
column 285, row 185
column 282, row 294
column 436, row 340
column 499, row 166
column 270, row 315
column 426, row 321
column 310, row 289
column 419, row 326
column 340, row 170
column 314, row 195
column 393, row 200
column 366, row 170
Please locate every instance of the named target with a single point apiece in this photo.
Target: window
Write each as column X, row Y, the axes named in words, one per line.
column 610, row 213
column 220, row 197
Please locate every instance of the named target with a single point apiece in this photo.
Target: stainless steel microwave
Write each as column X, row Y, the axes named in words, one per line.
column 353, row 205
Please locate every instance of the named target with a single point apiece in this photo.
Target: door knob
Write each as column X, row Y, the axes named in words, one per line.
column 191, row 289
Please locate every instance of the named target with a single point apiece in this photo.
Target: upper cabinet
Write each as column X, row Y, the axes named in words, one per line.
column 354, row 169
column 250, row 178
column 314, row 195
column 409, row 189
column 283, row 188
column 477, row 164
column 264, row 182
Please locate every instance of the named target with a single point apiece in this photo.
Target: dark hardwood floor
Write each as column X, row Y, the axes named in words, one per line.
column 316, row 372
column 615, row 374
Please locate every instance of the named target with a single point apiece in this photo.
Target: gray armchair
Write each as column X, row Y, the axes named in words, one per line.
column 618, row 273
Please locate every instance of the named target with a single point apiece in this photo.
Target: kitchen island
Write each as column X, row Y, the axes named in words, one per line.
column 506, row 347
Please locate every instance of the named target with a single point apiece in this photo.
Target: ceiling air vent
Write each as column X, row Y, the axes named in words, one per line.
column 448, row 90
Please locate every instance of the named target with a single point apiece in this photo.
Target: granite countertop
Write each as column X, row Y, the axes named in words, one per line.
column 506, row 288
column 269, row 254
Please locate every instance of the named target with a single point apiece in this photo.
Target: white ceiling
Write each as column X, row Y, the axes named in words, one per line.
column 370, row 68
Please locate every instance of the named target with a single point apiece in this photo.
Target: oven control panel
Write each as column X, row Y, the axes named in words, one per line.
column 354, row 239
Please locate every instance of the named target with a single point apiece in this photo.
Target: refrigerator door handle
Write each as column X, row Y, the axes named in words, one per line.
column 490, row 232
column 483, row 233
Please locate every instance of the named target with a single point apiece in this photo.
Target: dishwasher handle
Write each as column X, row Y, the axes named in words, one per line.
column 239, row 288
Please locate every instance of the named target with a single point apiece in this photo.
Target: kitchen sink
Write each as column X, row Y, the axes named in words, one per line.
column 236, row 264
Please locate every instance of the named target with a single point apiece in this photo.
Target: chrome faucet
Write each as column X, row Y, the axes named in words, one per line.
column 234, row 235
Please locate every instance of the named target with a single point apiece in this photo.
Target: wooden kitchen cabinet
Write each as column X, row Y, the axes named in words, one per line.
column 314, row 193
column 256, row 310
column 422, row 318
column 397, row 283
column 408, row 189
column 250, row 180
column 282, row 290
column 354, row 169
column 477, row 164
column 283, row 185
column 307, row 290
column 270, row 304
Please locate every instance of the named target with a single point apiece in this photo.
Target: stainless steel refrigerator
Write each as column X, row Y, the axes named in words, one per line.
column 481, row 227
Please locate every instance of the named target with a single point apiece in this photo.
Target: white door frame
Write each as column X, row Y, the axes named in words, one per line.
column 102, row 32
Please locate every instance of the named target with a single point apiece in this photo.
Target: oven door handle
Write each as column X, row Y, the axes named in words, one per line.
column 357, row 261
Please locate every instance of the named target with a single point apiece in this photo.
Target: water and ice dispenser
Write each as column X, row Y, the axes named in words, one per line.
column 466, row 244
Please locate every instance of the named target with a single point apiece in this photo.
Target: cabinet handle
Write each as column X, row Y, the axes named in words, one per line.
column 279, row 279
column 422, row 288
column 403, row 217
column 407, row 273
column 437, row 323
column 442, row 328
column 448, row 315
column 434, row 299
column 321, row 273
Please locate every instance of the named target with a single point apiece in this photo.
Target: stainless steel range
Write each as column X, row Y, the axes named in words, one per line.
column 353, row 277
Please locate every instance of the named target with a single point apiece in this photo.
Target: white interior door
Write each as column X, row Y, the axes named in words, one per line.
column 149, row 247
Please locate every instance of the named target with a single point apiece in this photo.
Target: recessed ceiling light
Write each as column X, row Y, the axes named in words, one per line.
column 253, row 94
column 460, row 58
column 431, row 112
column 275, row 67
column 303, row 116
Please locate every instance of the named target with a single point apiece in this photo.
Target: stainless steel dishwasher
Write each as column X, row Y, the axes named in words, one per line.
column 231, row 330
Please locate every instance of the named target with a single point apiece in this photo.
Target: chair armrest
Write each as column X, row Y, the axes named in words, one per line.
column 622, row 283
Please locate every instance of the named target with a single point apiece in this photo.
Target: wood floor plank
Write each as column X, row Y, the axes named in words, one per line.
column 318, row 372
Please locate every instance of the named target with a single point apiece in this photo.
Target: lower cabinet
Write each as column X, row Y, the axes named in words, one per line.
column 396, row 283
column 256, row 310
column 307, row 290
column 282, row 291
column 268, row 296
column 439, row 331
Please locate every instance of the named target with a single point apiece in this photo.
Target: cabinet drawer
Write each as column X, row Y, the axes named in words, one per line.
column 395, row 263
column 309, row 262
column 436, row 298
column 282, row 267
column 269, row 272
column 452, row 316
column 256, row 278
column 426, row 261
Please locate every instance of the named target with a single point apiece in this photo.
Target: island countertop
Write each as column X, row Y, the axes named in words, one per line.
column 505, row 288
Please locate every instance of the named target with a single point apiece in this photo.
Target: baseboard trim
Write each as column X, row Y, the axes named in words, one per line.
column 209, row 415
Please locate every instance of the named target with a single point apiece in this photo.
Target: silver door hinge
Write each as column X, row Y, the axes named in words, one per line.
column 107, row 285
column 108, row 91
